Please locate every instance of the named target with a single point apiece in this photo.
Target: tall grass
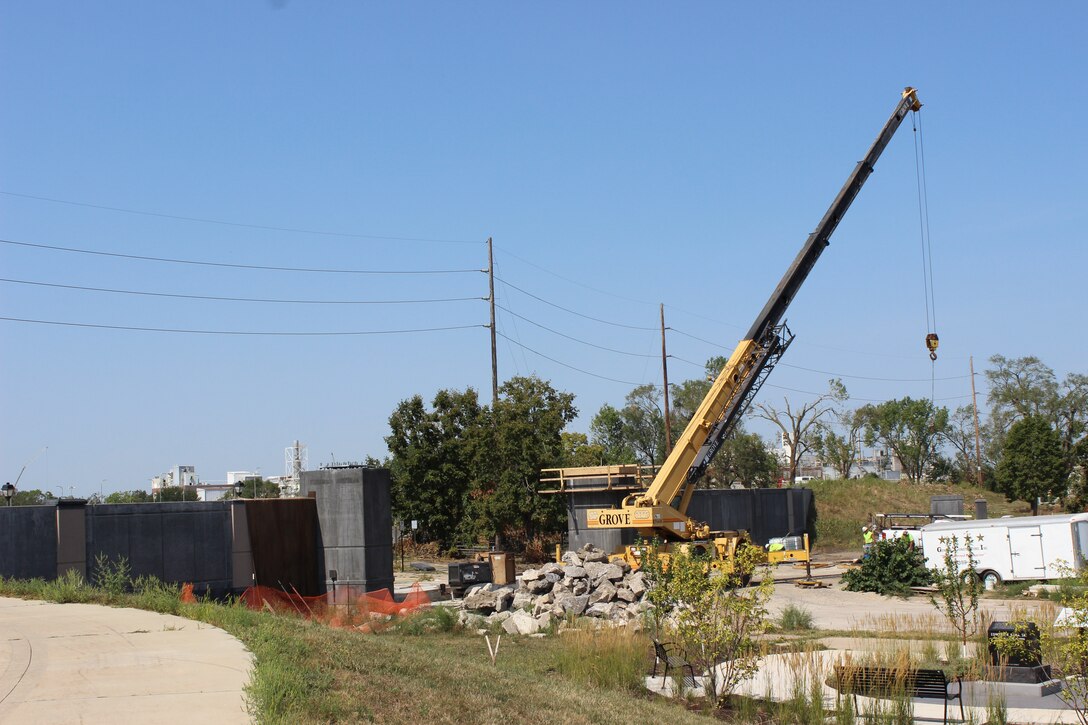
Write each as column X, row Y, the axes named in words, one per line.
column 606, row 657
column 794, row 618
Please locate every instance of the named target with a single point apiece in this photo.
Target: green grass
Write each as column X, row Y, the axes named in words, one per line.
column 421, row 670
column 795, row 618
column 842, row 507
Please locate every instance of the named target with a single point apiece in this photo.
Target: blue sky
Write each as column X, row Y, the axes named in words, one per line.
column 622, row 155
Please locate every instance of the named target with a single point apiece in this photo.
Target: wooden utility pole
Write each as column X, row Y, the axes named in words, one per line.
column 978, row 445
column 494, row 347
column 665, row 378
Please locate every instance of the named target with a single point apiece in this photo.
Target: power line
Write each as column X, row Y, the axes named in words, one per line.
column 314, row 270
column 579, row 314
column 568, row 279
column 239, row 332
column 239, row 299
column 557, row 362
column 264, row 227
column 575, row 339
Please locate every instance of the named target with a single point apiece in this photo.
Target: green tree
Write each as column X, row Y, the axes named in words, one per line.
column 607, row 431
column 958, row 587
column 178, row 493
column 837, row 441
column 578, row 451
column 432, row 461
column 1032, row 464
column 30, row 497
column 134, row 496
column 252, row 487
column 520, row 436
column 960, row 435
column 799, row 425
column 1023, row 387
column 644, row 424
column 686, row 397
column 911, row 429
column 744, row 459
column 715, row 620
column 892, row 566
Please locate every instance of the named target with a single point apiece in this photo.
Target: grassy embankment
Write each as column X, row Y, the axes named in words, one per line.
column 422, row 670
column 842, row 507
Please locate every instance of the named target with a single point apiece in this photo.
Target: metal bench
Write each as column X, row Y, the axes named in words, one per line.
column 857, row 680
column 665, row 654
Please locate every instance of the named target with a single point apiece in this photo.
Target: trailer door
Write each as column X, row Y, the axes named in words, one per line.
column 1026, row 546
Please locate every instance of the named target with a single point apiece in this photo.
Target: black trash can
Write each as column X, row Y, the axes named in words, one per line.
column 467, row 574
column 1029, row 655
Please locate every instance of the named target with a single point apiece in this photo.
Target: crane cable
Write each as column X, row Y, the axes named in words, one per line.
column 931, row 340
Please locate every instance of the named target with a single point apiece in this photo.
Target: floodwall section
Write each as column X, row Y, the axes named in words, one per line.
column 176, row 542
column 764, row 513
column 28, row 542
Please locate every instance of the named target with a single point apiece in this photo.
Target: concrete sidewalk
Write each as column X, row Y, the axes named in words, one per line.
column 83, row 663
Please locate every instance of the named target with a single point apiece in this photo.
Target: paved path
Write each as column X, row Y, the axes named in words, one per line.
column 83, row 663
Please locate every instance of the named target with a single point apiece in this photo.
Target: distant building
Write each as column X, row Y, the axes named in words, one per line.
column 177, row 476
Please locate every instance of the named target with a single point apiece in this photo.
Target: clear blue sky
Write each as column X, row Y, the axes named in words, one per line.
column 620, row 154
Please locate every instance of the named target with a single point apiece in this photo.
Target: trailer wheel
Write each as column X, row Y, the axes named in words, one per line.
column 990, row 580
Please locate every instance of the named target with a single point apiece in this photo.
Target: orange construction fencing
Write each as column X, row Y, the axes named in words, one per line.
column 350, row 607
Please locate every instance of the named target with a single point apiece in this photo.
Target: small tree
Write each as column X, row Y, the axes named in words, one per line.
column 958, row 587
column 711, row 617
column 891, row 567
column 1031, row 465
column 799, row 426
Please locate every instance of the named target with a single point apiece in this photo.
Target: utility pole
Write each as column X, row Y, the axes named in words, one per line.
column 974, row 405
column 665, row 379
column 494, row 347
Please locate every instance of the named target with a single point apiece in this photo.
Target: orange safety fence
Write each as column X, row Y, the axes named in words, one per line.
column 350, row 607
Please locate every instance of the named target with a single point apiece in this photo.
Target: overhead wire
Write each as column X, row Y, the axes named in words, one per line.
column 263, row 227
column 568, row 279
column 239, row 299
column 566, row 365
column 573, row 312
column 247, row 333
column 170, row 260
column 570, row 337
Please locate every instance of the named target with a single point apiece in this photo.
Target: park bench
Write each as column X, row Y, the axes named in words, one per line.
column 857, row 680
column 665, row 654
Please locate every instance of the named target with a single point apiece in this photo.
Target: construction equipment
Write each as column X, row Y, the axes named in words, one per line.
column 661, row 511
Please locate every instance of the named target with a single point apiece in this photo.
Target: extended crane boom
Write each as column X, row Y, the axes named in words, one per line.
column 662, row 509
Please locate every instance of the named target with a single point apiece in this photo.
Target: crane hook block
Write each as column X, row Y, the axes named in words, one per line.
column 931, row 344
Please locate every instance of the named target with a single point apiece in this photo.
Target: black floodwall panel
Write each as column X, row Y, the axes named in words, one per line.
column 28, row 542
column 356, row 521
column 176, row 542
column 578, row 534
column 764, row 513
column 284, row 539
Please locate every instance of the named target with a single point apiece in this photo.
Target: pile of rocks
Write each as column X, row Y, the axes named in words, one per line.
column 585, row 584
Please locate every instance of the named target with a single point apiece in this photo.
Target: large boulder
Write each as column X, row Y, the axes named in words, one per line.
column 522, row 600
column 575, row 605
column 538, row 586
column 488, row 598
column 601, row 610
column 575, row 572
column 580, row 587
column 589, row 552
column 521, row 623
column 622, row 593
column 637, row 583
column 605, row 592
column 531, row 575
column 569, row 557
column 551, row 568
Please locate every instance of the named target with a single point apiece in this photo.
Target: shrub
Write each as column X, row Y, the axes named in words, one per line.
column 112, row 576
column 891, row 567
column 794, row 617
column 67, row 588
column 153, row 594
column 427, row 621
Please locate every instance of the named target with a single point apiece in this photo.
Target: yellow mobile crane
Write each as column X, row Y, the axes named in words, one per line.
column 661, row 510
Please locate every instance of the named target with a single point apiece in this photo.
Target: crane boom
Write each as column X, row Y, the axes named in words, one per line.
column 662, row 508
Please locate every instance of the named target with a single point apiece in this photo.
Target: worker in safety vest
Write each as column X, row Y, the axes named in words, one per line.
column 867, row 538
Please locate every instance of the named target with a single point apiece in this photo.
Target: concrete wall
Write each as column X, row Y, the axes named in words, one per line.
column 28, row 542
column 355, row 515
column 177, row 542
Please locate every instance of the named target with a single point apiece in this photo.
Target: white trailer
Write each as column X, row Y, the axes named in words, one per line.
column 1013, row 549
